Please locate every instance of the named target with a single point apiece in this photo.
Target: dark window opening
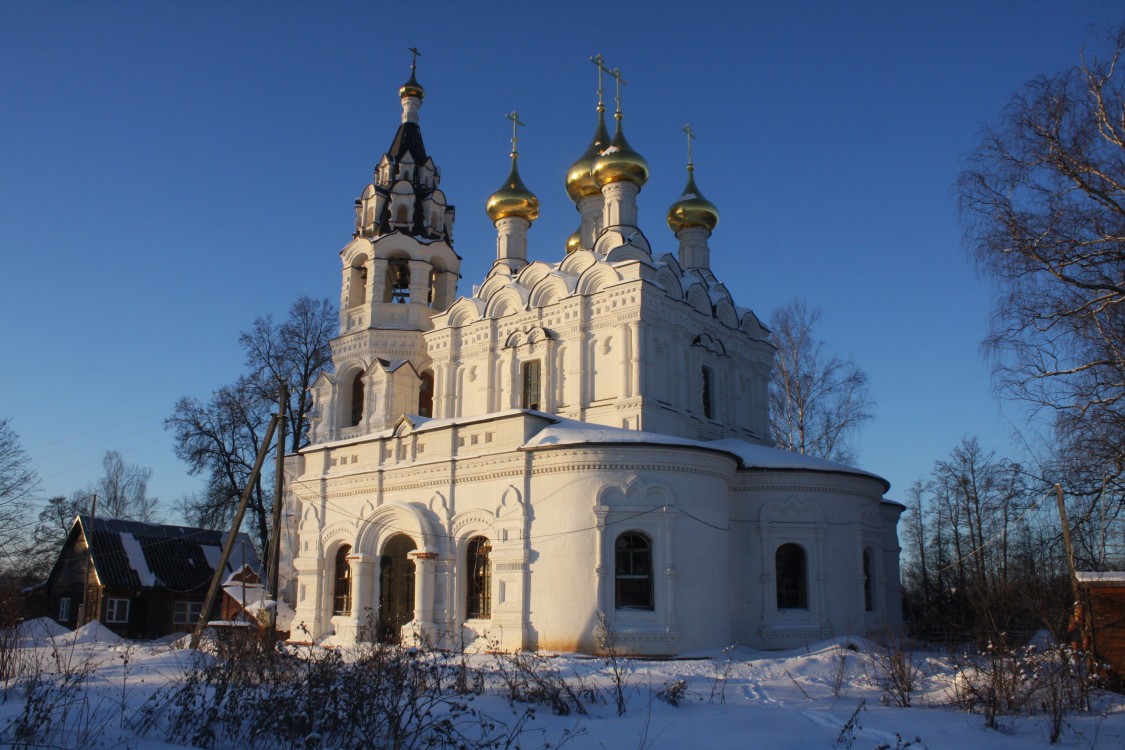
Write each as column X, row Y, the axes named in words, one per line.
column 633, row 572
column 342, row 586
column 426, row 395
column 708, row 406
column 868, row 566
column 792, row 580
column 357, row 400
column 530, row 379
column 478, row 572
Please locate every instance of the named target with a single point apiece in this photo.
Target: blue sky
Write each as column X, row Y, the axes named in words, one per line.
column 169, row 171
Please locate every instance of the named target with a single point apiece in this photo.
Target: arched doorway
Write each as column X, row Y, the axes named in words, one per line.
column 396, row 587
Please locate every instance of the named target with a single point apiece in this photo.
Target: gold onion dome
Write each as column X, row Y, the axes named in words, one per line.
column 513, row 199
column 573, row 242
column 692, row 209
column 411, row 88
column 620, row 163
column 580, row 177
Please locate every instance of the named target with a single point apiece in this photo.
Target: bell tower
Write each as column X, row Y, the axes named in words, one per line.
column 399, row 270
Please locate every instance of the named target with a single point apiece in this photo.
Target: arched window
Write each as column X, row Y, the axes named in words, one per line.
column 478, row 579
column 426, row 394
column 342, row 583
column 357, row 400
column 633, row 572
column 868, row 571
column 401, row 216
column 397, row 287
column 791, row 576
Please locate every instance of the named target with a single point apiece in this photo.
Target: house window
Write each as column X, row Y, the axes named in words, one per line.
column 64, row 609
column 791, row 575
column 478, row 570
column 633, row 577
column 186, row 613
column 342, row 588
column 708, row 393
column 868, row 568
column 357, row 400
column 426, row 394
column 117, row 610
column 530, row 380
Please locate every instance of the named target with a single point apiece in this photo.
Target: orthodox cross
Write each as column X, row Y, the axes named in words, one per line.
column 415, row 54
column 616, row 73
column 690, row 138
column 600, row 62
column 516, row 123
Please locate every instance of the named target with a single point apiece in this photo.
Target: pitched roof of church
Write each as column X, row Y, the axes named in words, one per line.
column 132, row 554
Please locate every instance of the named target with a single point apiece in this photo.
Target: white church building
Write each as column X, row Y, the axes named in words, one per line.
column 578, row 447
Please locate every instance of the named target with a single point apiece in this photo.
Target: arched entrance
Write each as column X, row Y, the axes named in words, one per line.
column 396, row 587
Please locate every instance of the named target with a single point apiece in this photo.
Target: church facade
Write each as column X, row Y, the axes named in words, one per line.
column 577, row 451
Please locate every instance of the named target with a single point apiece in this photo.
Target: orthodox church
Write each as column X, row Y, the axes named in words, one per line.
column 577, row 451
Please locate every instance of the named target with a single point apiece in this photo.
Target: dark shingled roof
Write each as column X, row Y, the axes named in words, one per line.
column 131, row 554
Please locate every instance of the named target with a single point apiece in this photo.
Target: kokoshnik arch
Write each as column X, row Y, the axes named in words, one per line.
column 577, row 446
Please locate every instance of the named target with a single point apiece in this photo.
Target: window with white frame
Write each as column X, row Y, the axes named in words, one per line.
column 64, row 609
column 117, row 610
column 187, row 613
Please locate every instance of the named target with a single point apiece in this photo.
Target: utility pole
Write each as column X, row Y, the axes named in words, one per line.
column 234, row 527
column 88, row 534
column 279, row 485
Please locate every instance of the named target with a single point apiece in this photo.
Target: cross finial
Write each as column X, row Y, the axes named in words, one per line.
column 600, row 62
column 415, row 54
column 616, row 73
column 516, row 123
column 690, row 138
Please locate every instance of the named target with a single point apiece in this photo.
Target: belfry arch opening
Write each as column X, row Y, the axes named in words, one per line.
column 357, row 282
column 397, row 286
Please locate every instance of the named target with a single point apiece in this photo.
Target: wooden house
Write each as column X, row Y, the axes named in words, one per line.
column 142, row 580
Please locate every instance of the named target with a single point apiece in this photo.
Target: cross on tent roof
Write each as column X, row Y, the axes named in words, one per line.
column 415, row 54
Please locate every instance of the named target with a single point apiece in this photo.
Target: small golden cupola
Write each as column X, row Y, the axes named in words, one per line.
column 619, row 162
column 412, row 88
column 693, row 218
column 580, row 177
column 512, row 208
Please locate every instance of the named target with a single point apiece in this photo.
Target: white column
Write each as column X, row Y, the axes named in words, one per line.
column 424, row 593
column 591, row 209
column 363, row 612
column 620, row 203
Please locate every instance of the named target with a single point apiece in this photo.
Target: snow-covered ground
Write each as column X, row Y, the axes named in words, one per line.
column 731, row 698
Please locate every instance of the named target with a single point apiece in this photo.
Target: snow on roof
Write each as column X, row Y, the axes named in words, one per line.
column 1109, row 576
column 572, row 432
column 136, row 558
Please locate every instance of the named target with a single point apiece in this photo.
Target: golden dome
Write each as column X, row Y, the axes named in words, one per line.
column 573, row 242
column 579, row 178
column 620, row 163
column 411, row 88
column 513, row 199
column 692, row 209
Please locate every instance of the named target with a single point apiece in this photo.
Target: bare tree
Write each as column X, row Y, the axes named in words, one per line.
column 1043, row 203
column 295, row 352
column 817, row 401
column 123, row 490
column 220, row 439
column 18, row 485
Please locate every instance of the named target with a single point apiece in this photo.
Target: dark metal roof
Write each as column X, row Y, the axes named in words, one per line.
column 131, row 554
